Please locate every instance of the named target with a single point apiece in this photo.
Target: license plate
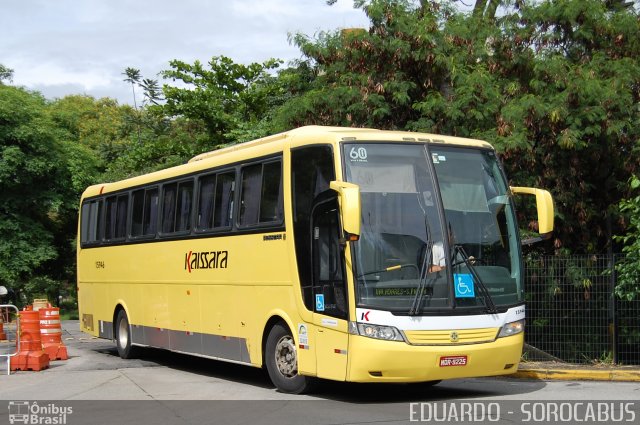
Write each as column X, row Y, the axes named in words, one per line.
column 453, row 361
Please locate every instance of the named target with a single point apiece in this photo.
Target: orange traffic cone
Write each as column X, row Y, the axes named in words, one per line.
column 51, row 333
column 30, row 355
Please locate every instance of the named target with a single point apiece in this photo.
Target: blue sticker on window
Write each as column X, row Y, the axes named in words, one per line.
column 319, row 302
column 464, row 286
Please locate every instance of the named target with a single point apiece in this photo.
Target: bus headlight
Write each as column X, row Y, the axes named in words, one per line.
column 512, row 328
column 387, row 333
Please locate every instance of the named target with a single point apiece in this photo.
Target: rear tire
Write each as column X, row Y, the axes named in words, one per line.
column 281, row 359
column 123, row 337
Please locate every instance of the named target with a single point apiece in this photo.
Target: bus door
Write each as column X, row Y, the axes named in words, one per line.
column 329, row 291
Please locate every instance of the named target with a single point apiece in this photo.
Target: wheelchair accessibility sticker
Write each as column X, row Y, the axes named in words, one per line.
column 319, row 302
column 464, row 286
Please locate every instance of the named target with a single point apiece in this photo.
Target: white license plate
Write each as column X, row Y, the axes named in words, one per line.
column 453, row 361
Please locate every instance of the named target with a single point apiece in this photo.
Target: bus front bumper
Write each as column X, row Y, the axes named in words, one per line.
column 373, row 360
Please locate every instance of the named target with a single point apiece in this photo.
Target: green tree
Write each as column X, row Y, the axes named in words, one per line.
column 554, row 85
column 487, row 11
column 133, row 77
column 573, row 119
column 6, row 74
column 101, row 125
column 225, row 96
column 628, row 270
column 32, row 173
column 151, row 90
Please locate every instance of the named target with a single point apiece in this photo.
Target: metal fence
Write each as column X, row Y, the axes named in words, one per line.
column 573, row 314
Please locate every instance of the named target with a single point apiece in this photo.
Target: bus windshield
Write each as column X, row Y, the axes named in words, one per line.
column 403, row 262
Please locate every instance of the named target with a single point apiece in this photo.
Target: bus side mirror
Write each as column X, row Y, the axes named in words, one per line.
column 544, row 204
column 349, row 198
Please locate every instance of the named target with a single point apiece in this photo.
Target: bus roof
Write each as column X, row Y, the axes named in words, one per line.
column 344, row 134
column 272, row 144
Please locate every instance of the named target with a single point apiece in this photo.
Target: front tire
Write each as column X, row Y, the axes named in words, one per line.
column 281, row 358
column 123, row 337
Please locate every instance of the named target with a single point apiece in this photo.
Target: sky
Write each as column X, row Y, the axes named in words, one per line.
column 62, row 47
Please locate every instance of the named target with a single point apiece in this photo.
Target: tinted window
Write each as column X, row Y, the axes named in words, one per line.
column 216, row 201
column 312, row 170
column 185, row 202
column 121, row 218
column 144, row 216
column 91, row 222
column 271, row 199
column 327, row 260
column 84, row 223
column 116, row 217
column 176, row 207
column 251, row 188
column 261, row 196
column 207, row 197
column 224, row 199
column 169, row 207
column 137, row 207
column 150, row 221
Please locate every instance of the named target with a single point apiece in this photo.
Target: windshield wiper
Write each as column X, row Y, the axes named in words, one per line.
column 388, row 269
column 488, row 301
column 414, row 310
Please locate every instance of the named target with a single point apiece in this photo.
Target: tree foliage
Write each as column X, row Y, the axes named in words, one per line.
column 226, row 97
column 133, row 77
column 5, row 74
column 628, row 270
column 33, row 182
column 554, row 85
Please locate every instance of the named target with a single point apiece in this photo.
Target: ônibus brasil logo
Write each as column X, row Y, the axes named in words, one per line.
column 26, row 412
column 205, row 260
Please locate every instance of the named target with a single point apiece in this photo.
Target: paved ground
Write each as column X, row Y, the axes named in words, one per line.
column 95, row 372
column 164, row 387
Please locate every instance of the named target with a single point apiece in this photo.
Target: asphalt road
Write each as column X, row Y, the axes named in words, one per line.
column 164, row 387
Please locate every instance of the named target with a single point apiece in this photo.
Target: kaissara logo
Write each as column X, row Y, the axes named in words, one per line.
column 205, row 260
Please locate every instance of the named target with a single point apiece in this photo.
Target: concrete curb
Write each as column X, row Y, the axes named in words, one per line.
column 579, row 375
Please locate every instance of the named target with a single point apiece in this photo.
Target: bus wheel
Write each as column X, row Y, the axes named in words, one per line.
column 123, row 337
column 281, row 358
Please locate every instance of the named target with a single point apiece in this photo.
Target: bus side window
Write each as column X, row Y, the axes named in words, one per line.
column 116, row 217
column 168, row 208
column 206, row 198
column 150, row 219
column 144, row 216
column 177, row 204
column 184, row 206
column 216, row 201
column 261, row 194
column 250, row 194
column 225, row 185
column 271, row 199
column 91, row 216
column 137, row 207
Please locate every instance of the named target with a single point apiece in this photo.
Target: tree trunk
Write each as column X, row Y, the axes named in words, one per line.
column 478, row 9
column 491, row 9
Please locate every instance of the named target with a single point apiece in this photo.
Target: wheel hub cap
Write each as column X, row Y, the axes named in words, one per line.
column 286, row 359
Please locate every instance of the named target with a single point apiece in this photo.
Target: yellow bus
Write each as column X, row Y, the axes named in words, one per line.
column 323, row 252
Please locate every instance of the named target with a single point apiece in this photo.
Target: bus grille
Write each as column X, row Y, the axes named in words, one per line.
column 452, row 337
